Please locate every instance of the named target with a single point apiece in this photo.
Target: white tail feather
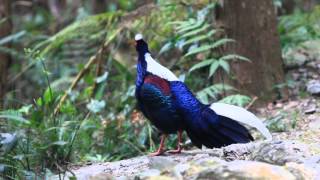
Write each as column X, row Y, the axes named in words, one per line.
column 241, row 115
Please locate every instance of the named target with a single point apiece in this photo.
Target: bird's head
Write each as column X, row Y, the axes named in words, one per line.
column 141, row 45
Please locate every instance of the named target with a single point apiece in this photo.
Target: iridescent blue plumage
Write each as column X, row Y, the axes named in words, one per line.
column 203, row 125
column 159, row 108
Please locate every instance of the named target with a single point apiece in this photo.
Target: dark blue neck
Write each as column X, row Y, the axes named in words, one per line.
column 141, row 69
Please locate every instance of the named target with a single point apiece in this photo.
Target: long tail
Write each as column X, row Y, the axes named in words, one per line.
column 213, row 130
column 242, row 116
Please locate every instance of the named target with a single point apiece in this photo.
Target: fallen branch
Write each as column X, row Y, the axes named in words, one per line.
column 252, row 102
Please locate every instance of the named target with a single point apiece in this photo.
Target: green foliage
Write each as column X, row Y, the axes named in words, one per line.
column 198, row 38
column 237, row 99
column 92, row 28
column 299, row 27
column 213, row 92
column 276, row 124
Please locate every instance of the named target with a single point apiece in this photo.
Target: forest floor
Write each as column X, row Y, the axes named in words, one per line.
column 292, row 121
column 298, row 118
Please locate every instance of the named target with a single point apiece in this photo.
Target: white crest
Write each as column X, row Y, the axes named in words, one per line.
column 159, row 70
column 241, row 115
column 138, row 37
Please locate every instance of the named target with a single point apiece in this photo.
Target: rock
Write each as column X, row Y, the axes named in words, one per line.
column 101, row 176
column 161, row 163
column 303, row 171
column 310, row 110
column 7, row 142
column 246, row 170
column 257, row 160
column 150, row 173
column 295, row 58
column 291, row 104
column 280, row 152
column 181, row 169
column 313, row 87
column 303, row 71
column 315, row 125
column 237, row 151
column 295, row 76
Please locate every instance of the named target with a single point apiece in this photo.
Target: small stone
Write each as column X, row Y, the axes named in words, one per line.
column 7, row 142
column 315, row 76
column 295, row 76
column 291, row 104
column 302, row 70
column 312, row 64
column 313, row 87
column 279, row 105
column 310, row 110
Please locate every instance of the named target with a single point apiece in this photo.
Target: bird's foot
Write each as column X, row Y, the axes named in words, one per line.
column 157, row 153
column 176, row 151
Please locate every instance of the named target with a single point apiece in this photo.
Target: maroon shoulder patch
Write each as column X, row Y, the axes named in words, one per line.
column 162, row 84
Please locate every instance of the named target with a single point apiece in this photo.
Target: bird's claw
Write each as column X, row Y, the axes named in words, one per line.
column 157, row 153
column 176, row 151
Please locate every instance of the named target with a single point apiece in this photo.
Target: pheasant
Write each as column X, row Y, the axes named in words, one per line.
column 172, row 108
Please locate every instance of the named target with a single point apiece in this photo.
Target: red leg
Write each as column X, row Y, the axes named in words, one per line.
column 179, row 148
column 161, row 147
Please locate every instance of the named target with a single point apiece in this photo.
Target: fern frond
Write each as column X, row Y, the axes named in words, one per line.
column 190, row 27
column 213, row 91
column 195, row 32
column 234, row 57
column 213, row 68
column 201, row 64
column 237, row 99
column 208, row 47
column 201, row 37
column 225, row 66
column 87, row 28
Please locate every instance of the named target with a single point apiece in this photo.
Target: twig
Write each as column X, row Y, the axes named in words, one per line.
column 98, row 72
column 252, row 102
column 74, row 83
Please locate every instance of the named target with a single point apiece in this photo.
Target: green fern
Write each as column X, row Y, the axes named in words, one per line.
column 212, row 92
column 91, row 28
column 237, row 99
column 197, row 36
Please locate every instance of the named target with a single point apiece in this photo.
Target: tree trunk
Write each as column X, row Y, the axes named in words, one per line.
column 253, row 25
column 5, row 30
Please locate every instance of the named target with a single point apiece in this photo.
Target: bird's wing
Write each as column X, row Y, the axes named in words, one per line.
column 241, row 115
